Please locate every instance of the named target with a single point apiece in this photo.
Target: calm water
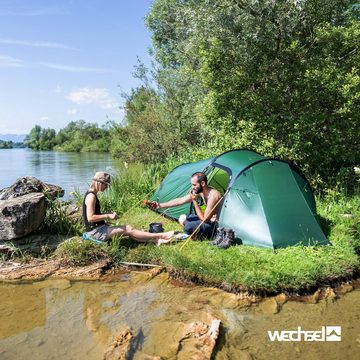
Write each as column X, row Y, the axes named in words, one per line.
column 59, row 319
column 71, row 171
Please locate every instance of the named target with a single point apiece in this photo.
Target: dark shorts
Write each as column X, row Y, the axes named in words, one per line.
column 192, row 222
column 100, row 233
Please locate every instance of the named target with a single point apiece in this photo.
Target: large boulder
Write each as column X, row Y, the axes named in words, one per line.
column 30, row 184
column 21, row 215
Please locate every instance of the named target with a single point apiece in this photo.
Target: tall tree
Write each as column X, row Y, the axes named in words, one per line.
column 40, row 139
column 281, row 77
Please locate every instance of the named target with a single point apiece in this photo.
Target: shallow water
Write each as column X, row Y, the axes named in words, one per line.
column 59, row 319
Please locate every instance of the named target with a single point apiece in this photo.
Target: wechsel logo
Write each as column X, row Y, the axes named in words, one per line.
column 327, row 333
column 333, row 333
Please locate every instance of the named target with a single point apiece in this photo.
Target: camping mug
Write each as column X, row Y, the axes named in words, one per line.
column 156, row 227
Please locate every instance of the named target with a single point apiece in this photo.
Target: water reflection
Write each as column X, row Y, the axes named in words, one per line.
column 58, row 319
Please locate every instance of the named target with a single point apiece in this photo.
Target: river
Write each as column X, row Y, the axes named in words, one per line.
column 71, row 171
column 60, row 319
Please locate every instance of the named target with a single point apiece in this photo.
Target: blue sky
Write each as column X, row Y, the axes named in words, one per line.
column 66, row 60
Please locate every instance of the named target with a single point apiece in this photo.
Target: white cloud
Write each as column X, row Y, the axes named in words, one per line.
column 72, row 111
column 76, row 68
column 44, row 118
column 8, row 61
column 44, row 44
column 96, row 96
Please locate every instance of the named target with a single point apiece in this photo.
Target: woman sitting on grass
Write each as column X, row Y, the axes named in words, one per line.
column 97, row 229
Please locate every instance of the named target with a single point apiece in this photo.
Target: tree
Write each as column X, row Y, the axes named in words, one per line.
column 79, row 136
column 147, row 134
column 40, row 139
column 6, row 144
column 280, row 77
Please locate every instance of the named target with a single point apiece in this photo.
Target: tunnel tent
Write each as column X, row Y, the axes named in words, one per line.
column 267, row 202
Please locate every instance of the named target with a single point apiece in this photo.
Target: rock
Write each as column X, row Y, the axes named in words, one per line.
column 154, row 272
column 198, row 341
column 269, row 306
column 72, row 210
column 21, row 215
column 39, row 269
column 119, row 348
column 30, row 184
column 344, row 289
column 281, row 299
column 314, row 298
column 34, row 244
column 329, row 294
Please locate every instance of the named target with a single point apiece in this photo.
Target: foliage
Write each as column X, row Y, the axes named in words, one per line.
column 6, row 144
column 40, row 139
column 152, row 130
column 280, row 77
column 57, row 220
column 79, row 136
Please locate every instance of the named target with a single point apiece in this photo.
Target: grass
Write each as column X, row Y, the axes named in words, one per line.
column 75, row 252
column 57, row 221
column 239, row 267
column 288, row 269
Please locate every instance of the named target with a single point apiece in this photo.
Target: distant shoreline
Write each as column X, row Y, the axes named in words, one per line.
column 11, row 145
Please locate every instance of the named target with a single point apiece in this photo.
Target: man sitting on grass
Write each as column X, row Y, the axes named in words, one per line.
column 207, row 218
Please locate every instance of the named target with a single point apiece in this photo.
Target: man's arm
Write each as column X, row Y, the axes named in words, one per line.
column 197, row 209
column 175, row 202
column 211, row 206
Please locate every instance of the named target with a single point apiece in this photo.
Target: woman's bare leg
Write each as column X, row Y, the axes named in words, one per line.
column 141, row 236
column 118, row 230
column 144, row 236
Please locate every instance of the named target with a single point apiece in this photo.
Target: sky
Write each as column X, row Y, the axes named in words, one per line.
column 66, row 60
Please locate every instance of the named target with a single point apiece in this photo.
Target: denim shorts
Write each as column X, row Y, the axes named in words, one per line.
column 193, row 222
column 100, row 233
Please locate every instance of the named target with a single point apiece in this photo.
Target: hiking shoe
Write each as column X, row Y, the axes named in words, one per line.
column 229, row 239
column 219, row 237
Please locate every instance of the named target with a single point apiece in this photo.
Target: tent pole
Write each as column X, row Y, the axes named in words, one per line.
column 194, row 232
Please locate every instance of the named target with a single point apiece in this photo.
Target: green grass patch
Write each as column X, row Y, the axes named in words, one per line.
column 57, row 220
column 263, row 270
column 240, row 267
column 76, row 252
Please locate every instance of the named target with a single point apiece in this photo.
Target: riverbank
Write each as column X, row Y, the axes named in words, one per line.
column 239, row 269
column 105, row 270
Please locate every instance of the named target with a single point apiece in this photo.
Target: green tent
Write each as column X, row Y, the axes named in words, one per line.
column 267, row 202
